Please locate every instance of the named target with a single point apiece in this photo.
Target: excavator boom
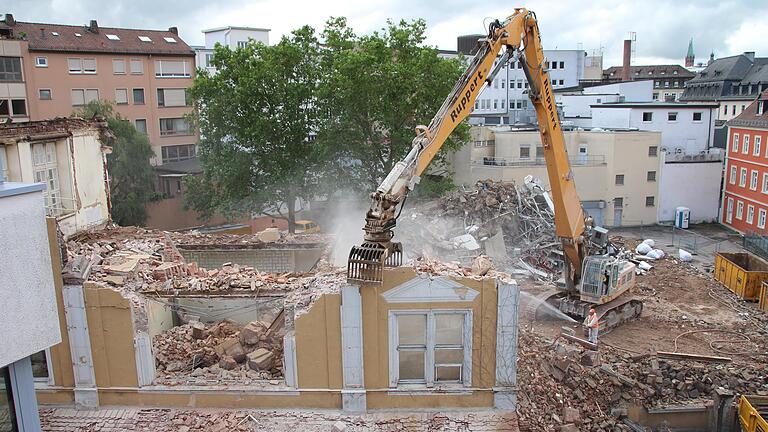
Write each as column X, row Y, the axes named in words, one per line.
column 517, row 36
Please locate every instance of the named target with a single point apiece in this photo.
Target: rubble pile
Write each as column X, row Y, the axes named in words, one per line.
column 512, row 224
column 566, row 387
column 224, row 352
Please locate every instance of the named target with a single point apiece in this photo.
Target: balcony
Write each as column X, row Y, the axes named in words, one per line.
column 586, row 160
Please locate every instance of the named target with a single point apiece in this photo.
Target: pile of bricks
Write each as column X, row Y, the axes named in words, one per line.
column 222, row 351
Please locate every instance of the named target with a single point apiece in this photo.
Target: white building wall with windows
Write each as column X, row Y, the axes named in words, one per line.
column 685, row 128
column 72, row 168
column 229, row 36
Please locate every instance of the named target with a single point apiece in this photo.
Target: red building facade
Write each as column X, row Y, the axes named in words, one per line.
column 745, row 190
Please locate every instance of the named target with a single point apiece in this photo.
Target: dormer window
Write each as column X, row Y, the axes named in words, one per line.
column 674, row 72
column 113, row 37
column 663, row 73
column 170, row 39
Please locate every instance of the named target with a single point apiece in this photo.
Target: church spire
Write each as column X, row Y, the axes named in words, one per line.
column 689, row 57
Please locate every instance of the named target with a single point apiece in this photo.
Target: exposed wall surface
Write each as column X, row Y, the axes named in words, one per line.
column 239, row 309
column 269, row 260
column 61, row 357
column 695, row 185
column 111, row 332
column 632, row 91
column 29, row 317
column 318, row 344
column 169, row 214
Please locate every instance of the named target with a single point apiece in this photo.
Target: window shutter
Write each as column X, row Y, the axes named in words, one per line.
column 89, row 65
column 77, row 97
column 175, row 97
column 91, row 95
column 74, row 65
column 118, row 66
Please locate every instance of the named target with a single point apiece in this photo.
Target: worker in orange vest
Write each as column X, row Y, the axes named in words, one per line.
column 592, row 324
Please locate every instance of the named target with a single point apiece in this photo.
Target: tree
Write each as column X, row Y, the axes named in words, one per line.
column 376, row 90
column 257, row 115
column 130, row 173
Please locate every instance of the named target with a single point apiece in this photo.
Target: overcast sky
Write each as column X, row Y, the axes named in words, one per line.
column 663, row 27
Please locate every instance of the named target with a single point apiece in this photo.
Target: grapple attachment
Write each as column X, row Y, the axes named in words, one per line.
column 366, row 262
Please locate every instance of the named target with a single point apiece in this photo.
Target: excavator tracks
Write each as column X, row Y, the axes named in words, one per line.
column 611, row 315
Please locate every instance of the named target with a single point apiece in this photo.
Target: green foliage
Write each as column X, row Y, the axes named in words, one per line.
column 377, row 88
column 433, row 186
column 130, row 173
column 256, row 115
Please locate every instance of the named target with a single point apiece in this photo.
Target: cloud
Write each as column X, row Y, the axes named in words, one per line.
column 663, row 28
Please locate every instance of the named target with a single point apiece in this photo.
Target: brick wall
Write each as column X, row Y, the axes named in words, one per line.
column 267, row 260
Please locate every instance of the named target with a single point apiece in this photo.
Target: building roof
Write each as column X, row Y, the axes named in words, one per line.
column 650, row 72
column 95, row 39
column 720, row 78
column 655, row 105
column 188, row 166
column 732, row 68
column 749, row 117
column 216, row 29
column 46, row 129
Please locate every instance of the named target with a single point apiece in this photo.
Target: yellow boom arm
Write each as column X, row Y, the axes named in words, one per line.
column 518, row 34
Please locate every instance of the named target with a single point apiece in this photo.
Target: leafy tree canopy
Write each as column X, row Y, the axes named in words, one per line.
column 130, row 173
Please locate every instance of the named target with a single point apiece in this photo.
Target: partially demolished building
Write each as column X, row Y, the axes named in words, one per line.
column 145, row 326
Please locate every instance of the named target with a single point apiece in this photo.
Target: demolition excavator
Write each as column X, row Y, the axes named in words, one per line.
column 595, row 273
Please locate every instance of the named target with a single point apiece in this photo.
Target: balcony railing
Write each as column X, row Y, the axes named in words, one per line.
column 586, row 160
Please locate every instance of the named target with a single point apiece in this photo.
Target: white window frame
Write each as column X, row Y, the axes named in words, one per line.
column 729, row 211
column 116, row 62
column 40, row 96
column 733, row 175
column 753, row 179
column 140, row 71
column 735, row 143
column 756, row 144
column 671, row 114
column 187, row 73
column 528, row 146
column 43, row 63
column 745, row 144
column 765, row 183
column 750, row 213
column 739, row 209
column 643, row 116
column 125, row 100
column 429, row 361
column 146, row 126
column 743, row 178
column 761, row 214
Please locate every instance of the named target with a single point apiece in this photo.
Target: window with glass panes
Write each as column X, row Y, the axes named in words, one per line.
column 46, row 171
column 430, row 347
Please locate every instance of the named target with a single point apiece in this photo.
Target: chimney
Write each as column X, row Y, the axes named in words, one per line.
column 627, row 57
column 9, row 20
column 750, row 55
column 42, row 33
column 174, row 30
column 93, row 27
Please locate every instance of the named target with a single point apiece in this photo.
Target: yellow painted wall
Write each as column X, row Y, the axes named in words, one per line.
column 61, row 357
column 110, row 327
column 376, row 343
column 318, row 344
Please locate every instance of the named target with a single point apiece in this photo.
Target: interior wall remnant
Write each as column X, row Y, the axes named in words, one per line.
column 159, row 317
column 61, row 357
column 318, row 345
column 239, row 309
column 110, row 323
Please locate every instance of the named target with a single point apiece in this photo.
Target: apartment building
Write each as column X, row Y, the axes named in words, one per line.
column 745, row 191
column 616, row 171
column 29, row 317
column 668, row 80
column 229, row 36
column 69, row 158
column 576, row 102
column 505, row 100
column 145, row 73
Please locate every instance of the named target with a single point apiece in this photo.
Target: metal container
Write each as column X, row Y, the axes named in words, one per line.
column 742, row 273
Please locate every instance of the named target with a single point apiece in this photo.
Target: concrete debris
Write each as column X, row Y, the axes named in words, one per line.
column 511, row 223
column 221, row 355
column 560, row 387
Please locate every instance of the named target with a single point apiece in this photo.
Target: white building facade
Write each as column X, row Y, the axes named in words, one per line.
column 232, row 37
